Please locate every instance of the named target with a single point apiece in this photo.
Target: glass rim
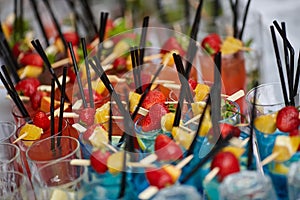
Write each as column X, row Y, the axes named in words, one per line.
column 13, row 125
column 53, row 160
column 248, row 99
column 35, row 175
column 17, row 154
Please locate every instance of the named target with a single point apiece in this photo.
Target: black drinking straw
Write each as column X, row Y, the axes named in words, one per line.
column 218, row 146
column 88, row 73
column 244, row 19
column 52, row 127
column 194, row 142
column 21, row 19
column 9, row 60
column 62, row 104
column 89, row 13
column 234, row 8
column 183, row 90
column 216, row 96
column 40, row 23
column 13, row 94
column 279, row 65
column 57, row 26
column 253, row 115
column 187, row 14
column 289, row 64
column 16, row 17
column 38, row 47
column 192, row 48
column 101, row 32
column 76, row 70
column 135, row 67
column 143, row 40
column 110, row 124
column 297, row 76
column 124, row 174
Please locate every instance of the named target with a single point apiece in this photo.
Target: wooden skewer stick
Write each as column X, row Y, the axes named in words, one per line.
column 20, row 138
column 235, row 96
column 80, row 162
column 212, row 174
column 269, row 159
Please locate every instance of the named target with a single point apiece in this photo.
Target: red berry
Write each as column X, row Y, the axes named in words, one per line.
column 31, row 59
column 227, row 163
column 212, row 43
column 288, row 119
column 153, row 97
column 36, row 99
column 172, row 44
column 166, row 149
column 158, row 177
column 226, row 129
column 119, row 64
column 192, row 83
column 99, row 161
column 86, row 116
column 71, row 37
column 27, row 86
column 152, row 120
column 41, row 120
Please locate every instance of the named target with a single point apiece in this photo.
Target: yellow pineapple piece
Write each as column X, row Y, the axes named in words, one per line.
column 134, row 99
column 98, row 86
column 33, row 132
column 102, row 114
column 237, row 151
column 167, row 121
column 30, row 71
column 231, row 45
column 286, row 147
column 172, row 171
column 266, row 123
column 201, row 91
column 182, row 137
column 115, row 162
column 99, row 137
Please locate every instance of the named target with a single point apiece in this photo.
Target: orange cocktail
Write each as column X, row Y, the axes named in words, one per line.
column 233, row 72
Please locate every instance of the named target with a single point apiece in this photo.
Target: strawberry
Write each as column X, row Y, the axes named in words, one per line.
column 20, row 47
column 211, row 43
column 227, row 163
column 152, row 120
column 119, row 64
column 41, row 120
column 158, row 177
column 36, row 99
column 288, row 119
column 170, row 45
column 31, row 59
column 153, row 97
column 27, row 86
column 86, row 116
column 226, row 129
column 99, row 161
column 166, row 149
column 71, row 37
column 192, row 83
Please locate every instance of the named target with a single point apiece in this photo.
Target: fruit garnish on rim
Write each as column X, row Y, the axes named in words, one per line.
column 211, row 43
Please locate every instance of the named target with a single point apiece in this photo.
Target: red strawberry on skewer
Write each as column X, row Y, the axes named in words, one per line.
column 288, row 119
column 211, row 43
column 41, row 120
column 166, row 149
column 153, row 97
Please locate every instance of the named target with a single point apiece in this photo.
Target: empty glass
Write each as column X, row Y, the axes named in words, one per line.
column 7, row 131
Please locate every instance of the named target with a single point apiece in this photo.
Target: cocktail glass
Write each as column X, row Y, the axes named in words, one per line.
column 269, row 100
column 25, row 144
column 7, row 130
column 178, row 192
column 52, row 149
column 15, row 185
column 58, row 179
column 247, row 185
column 10, row 158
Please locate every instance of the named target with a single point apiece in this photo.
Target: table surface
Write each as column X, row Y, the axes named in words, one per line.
column 270, row 10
